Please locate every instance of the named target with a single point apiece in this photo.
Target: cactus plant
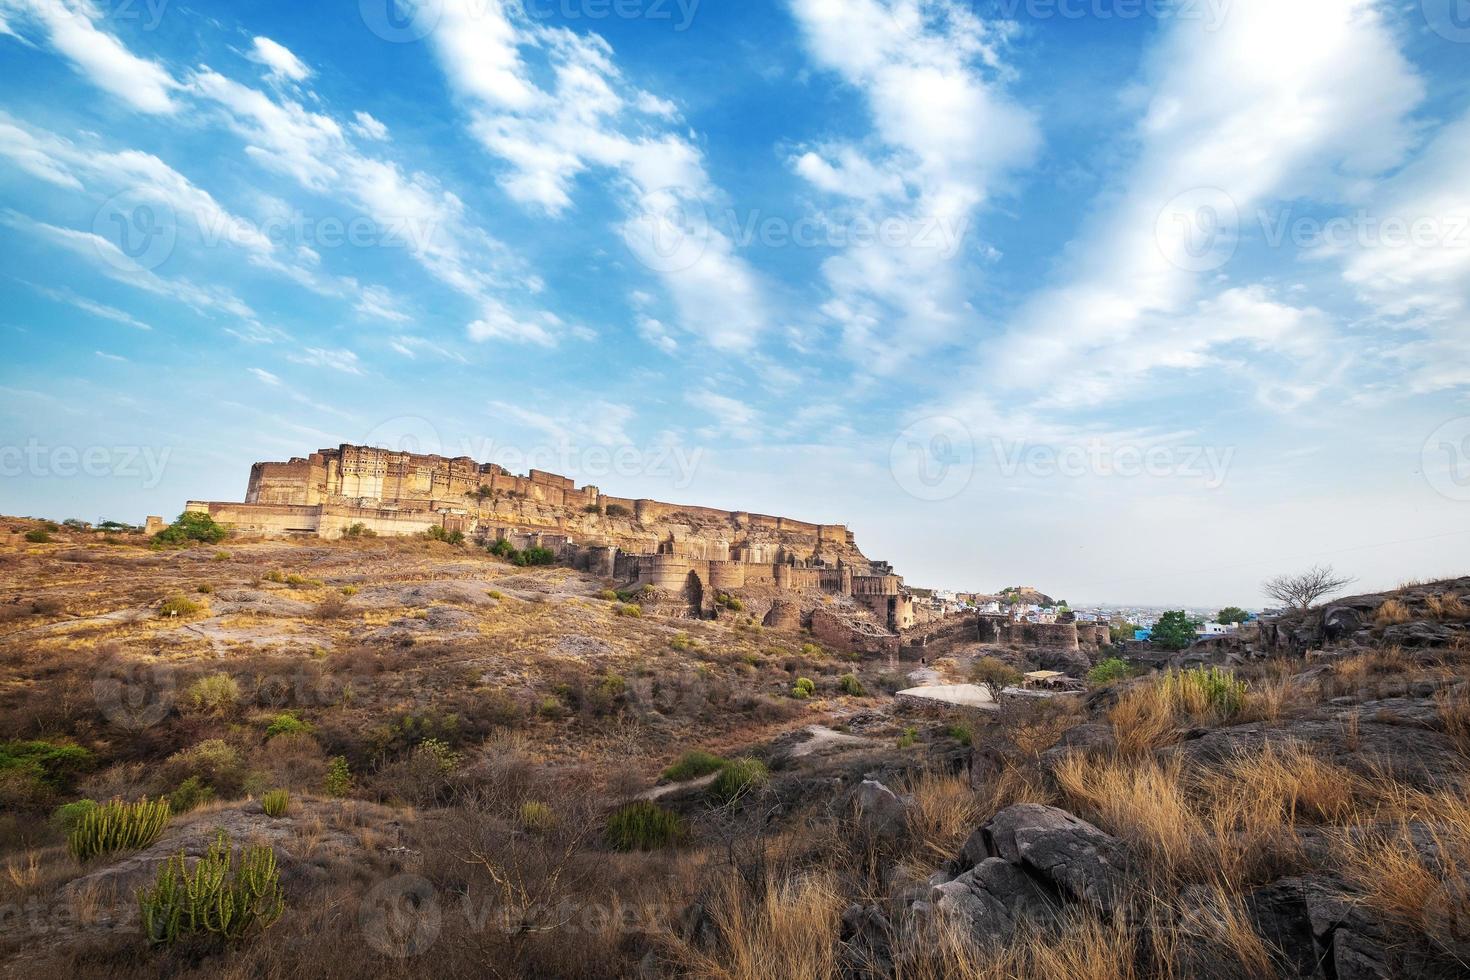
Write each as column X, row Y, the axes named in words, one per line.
column 276, row 802
column 118, row 826
column 228, row 892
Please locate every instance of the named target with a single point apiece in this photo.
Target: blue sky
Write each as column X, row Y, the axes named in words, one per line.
column 1131, row 301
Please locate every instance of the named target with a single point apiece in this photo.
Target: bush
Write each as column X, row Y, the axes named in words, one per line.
column 993, row 674
column 192, row 526
column 50, row 764
column 1108, row 671
column 608, row 595
column 1205, row 690
column 191, row 794
column 359, row 530
column 803, row 688
column 850, row 685
column 338, row 781
column 179, row 607
column 739, row 778
column 644, row 826
column 536, row 817
column 286, row 723
column 632, row 611
column 535, row 556
column 276, row 803
column 214, row 694
column 439, row 533
column 618, row 510
column 692, row 765
column 909, row 738
column 962, row 734
column 683, row 642
column 38, row 536
column 214, row 761
column 67, row 815
column 118, row 826
column 227, row 893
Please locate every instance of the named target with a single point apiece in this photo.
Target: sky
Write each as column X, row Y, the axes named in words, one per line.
column 1127, row 300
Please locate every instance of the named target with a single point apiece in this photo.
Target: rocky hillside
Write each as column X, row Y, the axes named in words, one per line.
column 517, row 772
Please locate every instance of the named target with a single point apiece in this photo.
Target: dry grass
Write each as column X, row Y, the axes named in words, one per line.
column 1143, row 720
column 1393, row 612
column 784, row 929
column 1447, row 606
column 944, row 813
column 1454, row 715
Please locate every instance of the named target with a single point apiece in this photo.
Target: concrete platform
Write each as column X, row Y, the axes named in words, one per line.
column 957, row 695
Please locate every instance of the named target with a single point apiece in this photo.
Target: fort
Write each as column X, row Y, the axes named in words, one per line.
column 689, row 553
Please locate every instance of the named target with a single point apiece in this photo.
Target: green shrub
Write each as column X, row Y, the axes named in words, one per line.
column 1108, row 671
column 179, row 606
column 1205, row 690
column 65, row 817
column 227, row 893
column 276, row 803
column 338, row 781
column 738, row 778
column 118, row 826
column 222, row 556
column 213, row 694
column 632, row 611
column 962, row 734
column 439, row 533
column 214, row 761
column 502, row 549
column 286, row 723
column 191, row 794
column 359, row 530
column 51, row 764
column 803, row 688
column 608, row 595
column 350, row 590
column 535, row 556
column 909, row 737
column 38, row 536
column 692, row 765
column 536, row 817
column 850, row 685
column 302, row 582
column 644, row 826
column 192, row 526
column 205, row 589
column 683, row 642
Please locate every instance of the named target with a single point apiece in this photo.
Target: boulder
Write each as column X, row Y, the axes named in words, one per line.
column 991, row 899
column 1339, row 622
column 1064, row 851
column 880, row 809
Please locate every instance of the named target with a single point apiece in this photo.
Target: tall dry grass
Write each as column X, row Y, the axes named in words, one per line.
column 787, row 928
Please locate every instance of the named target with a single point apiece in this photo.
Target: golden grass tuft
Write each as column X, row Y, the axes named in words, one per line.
column 1143, row 720
column 1447, row 606
column 785, row 929
column 1393, row 612
column 944, row 813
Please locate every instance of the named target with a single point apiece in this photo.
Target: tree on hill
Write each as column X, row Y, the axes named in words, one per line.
column 1173, row 631
column 1304, row 590
column 1232, row 614
column 193, row 526
column 993, row 674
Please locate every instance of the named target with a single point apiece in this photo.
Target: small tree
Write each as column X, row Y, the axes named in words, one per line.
column 1232, row 614
column 993, row 674
column 1304, row 590
column 1173, row 631
column 192, row 526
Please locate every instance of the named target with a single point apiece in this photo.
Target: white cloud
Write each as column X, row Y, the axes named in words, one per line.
column 586, row 116
column 111, row 357
column 265, row 377
column 733, row 417
column 71, row 29
column 89, row 306
column 278, row 60
column 600, row 423
column 944, row 134
column 367, row 127
column 339, row 359
column 1267, row 107
column 411, row 347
